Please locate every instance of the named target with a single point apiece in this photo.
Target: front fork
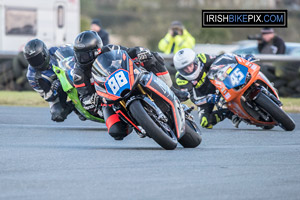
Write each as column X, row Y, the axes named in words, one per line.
column 269, row 94
column 147, row 99
column 143, row 92
column 187, row 112
column 124, row 104
column 255, row 92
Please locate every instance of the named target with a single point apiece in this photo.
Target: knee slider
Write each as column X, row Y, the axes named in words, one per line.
column 58, row 113
column 116, row 128
column 118, row 131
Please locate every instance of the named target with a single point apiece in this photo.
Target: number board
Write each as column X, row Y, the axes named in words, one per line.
column 118, row 82
column 236, row 77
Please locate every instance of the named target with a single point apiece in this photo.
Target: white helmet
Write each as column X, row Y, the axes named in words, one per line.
column 183, row 59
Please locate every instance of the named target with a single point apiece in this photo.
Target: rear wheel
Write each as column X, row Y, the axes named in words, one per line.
column 191, row 138
column 285, row 121
column 158, row 133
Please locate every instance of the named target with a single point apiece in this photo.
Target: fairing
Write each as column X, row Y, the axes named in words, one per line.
column 159, row 87
column 248, row 74
column 114, row 73
column 63, row 72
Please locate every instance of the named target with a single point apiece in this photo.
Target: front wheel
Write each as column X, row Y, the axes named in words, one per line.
column 285, row 121
column 191, row 138
column 157, row 133
column 267, row 127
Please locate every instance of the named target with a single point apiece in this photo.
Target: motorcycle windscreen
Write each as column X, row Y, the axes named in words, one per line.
column 67, row 65
column 227, row 69
column 64, row 52
column 112, row 69
column 66, row 60
column 107, row 63
column 221, row 67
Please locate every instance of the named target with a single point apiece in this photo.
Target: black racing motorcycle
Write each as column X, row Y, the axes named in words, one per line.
column 144, row 101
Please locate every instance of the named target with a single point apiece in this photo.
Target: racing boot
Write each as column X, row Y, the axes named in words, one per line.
column 236, row 120
column 68, row 109
column 181, row 95
column 59, row 113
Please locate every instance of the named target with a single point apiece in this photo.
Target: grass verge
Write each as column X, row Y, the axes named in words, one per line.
column 291, row 105
column 31, row 98
column 26, row 98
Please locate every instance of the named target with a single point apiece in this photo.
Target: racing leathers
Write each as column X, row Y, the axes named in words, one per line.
column 48, row 86
column 83, row 81
column 203, row 93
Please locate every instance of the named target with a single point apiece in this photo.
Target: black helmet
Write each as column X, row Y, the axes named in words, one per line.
column 37, row 54
column 87, row 46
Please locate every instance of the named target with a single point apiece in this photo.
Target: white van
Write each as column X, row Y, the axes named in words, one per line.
column 55, row 22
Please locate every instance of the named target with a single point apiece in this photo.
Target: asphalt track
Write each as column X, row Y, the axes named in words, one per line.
column 40, row 159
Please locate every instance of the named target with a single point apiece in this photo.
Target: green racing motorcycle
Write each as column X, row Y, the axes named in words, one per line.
column 64, row 56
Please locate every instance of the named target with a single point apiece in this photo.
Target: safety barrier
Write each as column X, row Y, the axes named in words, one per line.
column 282, row 70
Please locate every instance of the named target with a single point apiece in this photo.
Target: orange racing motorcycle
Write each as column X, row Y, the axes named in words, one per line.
column 247, row 92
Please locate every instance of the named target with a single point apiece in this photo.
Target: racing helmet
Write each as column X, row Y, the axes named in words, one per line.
column 37, row 54
column 187, row 64
column 87, row 46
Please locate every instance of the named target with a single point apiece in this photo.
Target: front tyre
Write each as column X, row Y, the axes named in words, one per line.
column 156, row 132
column 267, row 127
column 191, row 138
column 285, row 121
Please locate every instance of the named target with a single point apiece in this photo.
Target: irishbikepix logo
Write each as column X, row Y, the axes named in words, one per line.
column 244, row 18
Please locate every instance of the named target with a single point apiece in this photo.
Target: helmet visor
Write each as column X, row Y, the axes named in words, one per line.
column 84, row 57
column 37, row 60
column 190, row 68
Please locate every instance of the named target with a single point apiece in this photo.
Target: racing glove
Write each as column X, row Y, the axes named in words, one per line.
column 144, row 55
column 212, row 98
column 181, row 95
column 52, row 93
column 248, row 57
column 55, row 86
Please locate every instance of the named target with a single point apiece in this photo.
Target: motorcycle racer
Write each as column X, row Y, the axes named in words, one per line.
column 87, row 46
column 43, row 80
column 192, row 77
